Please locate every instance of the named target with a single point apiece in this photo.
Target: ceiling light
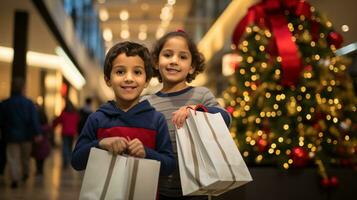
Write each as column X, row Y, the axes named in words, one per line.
column 125, row 34
column 61, row 62
column 159, row 33
column 165, row 23
column 103, row 14
column 124, row 15
column 142, row 35
column 171, row 2
column 166, row 15
column 69, row 70
column 107, row 34
column 35, row 59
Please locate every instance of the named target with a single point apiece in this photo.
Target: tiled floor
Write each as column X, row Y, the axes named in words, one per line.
column 55, row 184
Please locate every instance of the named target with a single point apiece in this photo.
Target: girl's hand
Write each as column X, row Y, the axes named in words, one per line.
column 115, row 145
column 136, row 148
column 179, row 116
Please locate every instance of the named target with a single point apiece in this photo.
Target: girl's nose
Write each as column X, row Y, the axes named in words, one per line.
column 174, row 59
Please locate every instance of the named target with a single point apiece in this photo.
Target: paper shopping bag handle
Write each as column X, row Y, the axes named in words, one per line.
column 201, row 107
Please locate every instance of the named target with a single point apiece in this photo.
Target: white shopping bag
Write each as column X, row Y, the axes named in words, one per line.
column 209, row 160
column 110, row 177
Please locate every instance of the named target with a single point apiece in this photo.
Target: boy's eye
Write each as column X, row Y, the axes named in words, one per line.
column 166, row 55
column 138, row 72
column 120, row 72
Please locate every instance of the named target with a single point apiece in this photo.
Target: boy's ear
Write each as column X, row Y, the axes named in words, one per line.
column 192, row 70
column 107, row 81
column 146, row 83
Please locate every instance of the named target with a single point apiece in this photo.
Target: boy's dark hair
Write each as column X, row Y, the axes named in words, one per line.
column 197, row 57
column 129, row 49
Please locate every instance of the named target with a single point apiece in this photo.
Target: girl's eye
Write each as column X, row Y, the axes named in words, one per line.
column 184, row 57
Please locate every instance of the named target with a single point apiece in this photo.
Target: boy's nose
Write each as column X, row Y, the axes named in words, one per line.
column 128, row 77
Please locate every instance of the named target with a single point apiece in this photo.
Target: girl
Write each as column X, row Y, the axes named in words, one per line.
column 177, row 62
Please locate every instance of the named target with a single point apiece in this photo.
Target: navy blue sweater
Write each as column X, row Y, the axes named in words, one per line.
column 142, row 121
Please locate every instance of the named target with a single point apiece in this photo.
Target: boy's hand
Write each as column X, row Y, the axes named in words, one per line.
column 115, row 145
column 180, row 115
column 136, row 148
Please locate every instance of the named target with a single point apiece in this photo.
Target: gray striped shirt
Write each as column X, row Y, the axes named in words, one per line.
column 167, row 103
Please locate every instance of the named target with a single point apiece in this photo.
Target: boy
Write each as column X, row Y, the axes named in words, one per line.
column 125, row 125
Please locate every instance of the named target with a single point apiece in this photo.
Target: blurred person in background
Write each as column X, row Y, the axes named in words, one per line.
column 20, row 126
column 41, row 149
column 84, row 113
column 69, row 119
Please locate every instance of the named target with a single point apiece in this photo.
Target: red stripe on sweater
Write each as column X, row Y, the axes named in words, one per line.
column 146, row 136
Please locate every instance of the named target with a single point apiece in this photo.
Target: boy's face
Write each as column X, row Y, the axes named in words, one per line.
column 175, row 61
column 127, row 78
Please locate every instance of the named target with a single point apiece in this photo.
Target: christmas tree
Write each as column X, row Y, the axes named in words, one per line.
column 291, row 97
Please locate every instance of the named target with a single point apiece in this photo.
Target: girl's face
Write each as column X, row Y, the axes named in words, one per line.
column 175, row 61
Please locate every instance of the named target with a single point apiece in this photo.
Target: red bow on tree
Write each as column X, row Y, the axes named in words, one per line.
column 270, row 14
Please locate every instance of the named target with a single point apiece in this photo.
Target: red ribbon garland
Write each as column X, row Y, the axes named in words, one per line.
column 270, row 14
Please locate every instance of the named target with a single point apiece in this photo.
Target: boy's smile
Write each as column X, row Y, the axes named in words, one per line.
column 128, row 79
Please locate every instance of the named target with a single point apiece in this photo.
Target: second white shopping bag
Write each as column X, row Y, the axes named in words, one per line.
column 209, row 160
column 110, row 177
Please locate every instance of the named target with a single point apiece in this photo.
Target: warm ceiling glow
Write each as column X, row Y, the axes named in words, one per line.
column 107, row 34
column 49, row 61
column 34, row 59
column 215, row 37
column 124, row 15
column 166, row 13
column 159, row 33
column 171, row 2
column 142, row 35
column 125, row 34
column 103, row 14
column 143, row 32
column 69, row 70
column 144, row 6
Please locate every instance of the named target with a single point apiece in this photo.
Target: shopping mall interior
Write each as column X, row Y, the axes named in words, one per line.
column 59, row 47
